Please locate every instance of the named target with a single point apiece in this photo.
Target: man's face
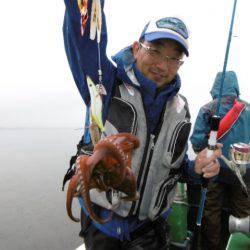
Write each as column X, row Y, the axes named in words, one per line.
column 159, row 61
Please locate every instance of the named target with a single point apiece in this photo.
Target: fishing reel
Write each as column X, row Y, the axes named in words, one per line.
column 240, row 157
column 240, row 153
column 239, row 225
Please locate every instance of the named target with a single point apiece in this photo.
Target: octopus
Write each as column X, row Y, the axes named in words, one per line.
column 108, row 168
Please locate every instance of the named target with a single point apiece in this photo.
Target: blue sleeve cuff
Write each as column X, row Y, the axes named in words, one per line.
column 193, row 177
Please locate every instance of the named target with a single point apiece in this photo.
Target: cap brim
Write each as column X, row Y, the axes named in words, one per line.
column 163, row 35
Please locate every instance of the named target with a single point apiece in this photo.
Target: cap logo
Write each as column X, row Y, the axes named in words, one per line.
column 174, row 24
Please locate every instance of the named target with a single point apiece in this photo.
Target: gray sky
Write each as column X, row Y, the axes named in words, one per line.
column 36, row 86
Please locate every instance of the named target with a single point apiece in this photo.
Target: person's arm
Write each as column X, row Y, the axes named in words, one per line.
column 82, row 52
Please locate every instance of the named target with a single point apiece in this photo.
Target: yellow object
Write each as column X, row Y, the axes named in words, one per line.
column 96, row 104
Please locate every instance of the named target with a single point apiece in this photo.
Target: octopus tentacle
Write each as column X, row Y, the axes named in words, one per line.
column 84, row 175
column 72, row 188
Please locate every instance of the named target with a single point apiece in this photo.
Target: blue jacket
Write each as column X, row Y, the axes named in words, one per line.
column 238, row 133
column 83, row 60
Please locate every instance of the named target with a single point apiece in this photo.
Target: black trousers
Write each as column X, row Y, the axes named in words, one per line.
column 239, row 205
column 154, row 237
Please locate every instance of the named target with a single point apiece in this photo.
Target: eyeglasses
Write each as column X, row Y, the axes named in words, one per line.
column 156, row 55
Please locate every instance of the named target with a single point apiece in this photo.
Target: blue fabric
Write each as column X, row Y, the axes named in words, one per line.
column 82, row 53
column 189, row 175
column 87, row 138
column 230, row 85
column 119, row 227
column 153, row 100
column 239, row 132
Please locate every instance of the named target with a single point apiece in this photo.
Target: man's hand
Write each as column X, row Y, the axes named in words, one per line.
column 208, row 166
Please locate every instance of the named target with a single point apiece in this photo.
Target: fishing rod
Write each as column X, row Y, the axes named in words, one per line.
column 215, row 122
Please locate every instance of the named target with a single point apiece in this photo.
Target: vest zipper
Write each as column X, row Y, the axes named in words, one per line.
column 147, row 164
column 144, row 162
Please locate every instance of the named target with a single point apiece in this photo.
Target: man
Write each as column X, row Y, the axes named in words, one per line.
column 234, row 128
column 141, row 98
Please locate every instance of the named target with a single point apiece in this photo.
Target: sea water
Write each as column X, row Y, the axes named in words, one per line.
column 32, row 206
